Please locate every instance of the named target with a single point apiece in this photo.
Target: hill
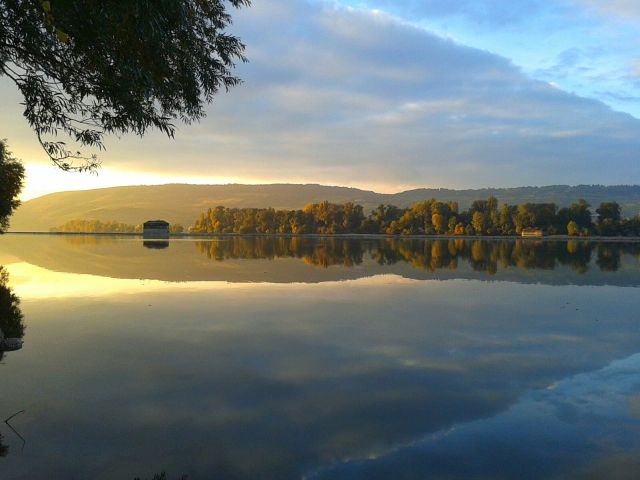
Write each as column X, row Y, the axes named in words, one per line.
column 181, row 203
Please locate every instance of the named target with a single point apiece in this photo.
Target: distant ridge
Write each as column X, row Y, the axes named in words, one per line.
column 181, row 203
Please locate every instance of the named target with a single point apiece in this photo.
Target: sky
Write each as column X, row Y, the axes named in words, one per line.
column 389, row 95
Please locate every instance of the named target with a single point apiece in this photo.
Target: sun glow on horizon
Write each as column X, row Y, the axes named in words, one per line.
column 42, row 179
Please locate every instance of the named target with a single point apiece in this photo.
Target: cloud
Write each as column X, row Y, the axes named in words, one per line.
column 350, row 96
column 576, row 413
column 366, row 95
column 302, row 374
column 486, row 12
column 628, row 10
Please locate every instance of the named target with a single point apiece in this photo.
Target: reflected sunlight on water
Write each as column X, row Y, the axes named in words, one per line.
column 33, row 282
column 338, row 359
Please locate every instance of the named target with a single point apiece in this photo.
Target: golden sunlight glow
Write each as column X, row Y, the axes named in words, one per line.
column 31, row 282
column 42, row 179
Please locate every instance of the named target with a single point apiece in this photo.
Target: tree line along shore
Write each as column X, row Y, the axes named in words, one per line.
column 428, row 217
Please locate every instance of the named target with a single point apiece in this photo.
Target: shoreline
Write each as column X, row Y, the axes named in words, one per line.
column 352, row 236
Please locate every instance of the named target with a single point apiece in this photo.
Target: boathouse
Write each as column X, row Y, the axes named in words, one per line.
column 532, row 232
column 155, row 229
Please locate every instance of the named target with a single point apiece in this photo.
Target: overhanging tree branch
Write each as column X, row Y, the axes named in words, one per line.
column 97, row 67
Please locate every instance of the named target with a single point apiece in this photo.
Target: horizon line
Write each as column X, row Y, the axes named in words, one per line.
column 630, row 185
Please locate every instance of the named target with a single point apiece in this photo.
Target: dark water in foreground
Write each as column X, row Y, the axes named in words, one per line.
column 320, row 359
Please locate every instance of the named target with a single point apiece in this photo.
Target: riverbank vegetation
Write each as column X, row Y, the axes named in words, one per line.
column 429, row 217
column 109, row 226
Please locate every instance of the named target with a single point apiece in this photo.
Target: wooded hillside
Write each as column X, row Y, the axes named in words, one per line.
column 182, row 203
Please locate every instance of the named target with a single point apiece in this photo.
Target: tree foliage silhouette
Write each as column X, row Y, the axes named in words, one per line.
column 90, row 68
column 11, row 178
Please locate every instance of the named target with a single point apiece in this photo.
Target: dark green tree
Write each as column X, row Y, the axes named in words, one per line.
column 580, row 213
column 505, row 219
column 94, row 67
column 384, row 215
column 609, row 211
column 609, row 216
column 11, row 178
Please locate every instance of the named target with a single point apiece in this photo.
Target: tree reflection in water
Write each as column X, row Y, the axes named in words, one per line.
column 11, row 318
column 11, row 324
column 482, row 255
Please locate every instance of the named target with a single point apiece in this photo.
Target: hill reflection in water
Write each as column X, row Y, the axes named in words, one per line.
column 381, row 377
column 311, row 260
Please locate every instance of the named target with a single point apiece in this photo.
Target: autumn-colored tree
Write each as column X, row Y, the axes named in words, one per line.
column 573, row 229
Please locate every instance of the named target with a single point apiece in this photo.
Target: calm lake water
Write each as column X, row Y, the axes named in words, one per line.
column 320, row 359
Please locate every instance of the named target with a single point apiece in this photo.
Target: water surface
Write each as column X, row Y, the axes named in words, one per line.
column 257, row 358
